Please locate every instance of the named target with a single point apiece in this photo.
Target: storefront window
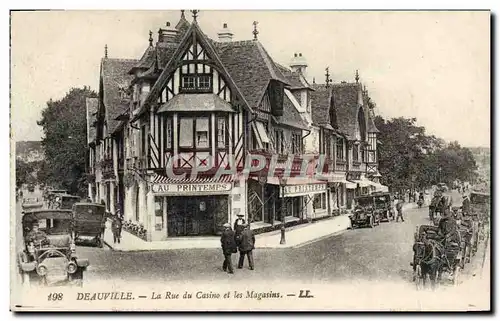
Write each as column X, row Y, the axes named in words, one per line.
column 159, row 204
column 319, row 202
column 186, row 132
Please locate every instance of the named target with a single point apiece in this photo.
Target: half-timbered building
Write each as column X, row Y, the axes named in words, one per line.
column 198, row 131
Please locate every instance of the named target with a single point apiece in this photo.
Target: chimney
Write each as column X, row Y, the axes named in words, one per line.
column 167, row 35
column 298, row 63
column 225, row 35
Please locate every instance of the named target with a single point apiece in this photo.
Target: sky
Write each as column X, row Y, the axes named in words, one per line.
column 434, row 66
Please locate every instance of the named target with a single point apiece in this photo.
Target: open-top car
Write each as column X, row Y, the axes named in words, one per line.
column 365, row 213
column 90, row 220
column 49, row 254
column 30, row 203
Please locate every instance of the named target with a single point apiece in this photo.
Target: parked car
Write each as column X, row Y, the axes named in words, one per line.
column 90, row 220
column 49, row 254
column 364, row 213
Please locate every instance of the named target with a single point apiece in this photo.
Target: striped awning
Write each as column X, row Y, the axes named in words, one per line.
column 161, row 179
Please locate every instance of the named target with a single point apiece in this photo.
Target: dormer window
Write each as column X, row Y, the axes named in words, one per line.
column 196, row 82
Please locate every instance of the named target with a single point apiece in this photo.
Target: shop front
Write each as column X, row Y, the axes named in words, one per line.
column 190, row 208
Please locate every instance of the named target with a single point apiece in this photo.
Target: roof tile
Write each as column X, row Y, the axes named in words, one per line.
column 115, row 79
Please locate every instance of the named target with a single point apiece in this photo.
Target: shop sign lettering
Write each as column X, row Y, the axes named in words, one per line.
column 190, row 189
column 297, row 190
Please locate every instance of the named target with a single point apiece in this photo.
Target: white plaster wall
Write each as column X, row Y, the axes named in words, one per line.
column 312, row 141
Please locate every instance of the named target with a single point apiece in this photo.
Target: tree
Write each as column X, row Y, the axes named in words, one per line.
column 410, row 158
column 24, row 172
column 65, row 140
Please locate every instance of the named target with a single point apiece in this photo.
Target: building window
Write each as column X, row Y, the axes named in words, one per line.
column 186, row 132
column 355, row 152
column 278, row 139
column 340, row 149
column 144, row 140
column 188, row 81
column 168, row 133
column 202, row 132
column 296, row 143
column 221, row 132
column 193, row 81
column 204, row 81
column 319, row 202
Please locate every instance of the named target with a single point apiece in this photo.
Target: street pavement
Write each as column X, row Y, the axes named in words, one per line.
column 382, row 253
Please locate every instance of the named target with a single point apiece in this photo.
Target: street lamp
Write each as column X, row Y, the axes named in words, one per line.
column 283, row 200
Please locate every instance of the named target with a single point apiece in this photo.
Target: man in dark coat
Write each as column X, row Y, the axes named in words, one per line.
column 116, row 227
column 239, row 226
column 229, row 247
column 246, row 246
column 399, row 208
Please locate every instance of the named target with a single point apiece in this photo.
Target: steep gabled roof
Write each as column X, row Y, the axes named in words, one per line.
column 250, row 66
column 320, row 107
column 296, row 80
column 170, row 66
column 115, row 78
column 92, row 105
column 345, row 99
column 146, row 61
column 370, row 128
column 291, row 116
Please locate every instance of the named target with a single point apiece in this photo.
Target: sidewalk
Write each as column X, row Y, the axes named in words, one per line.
column 296, row 236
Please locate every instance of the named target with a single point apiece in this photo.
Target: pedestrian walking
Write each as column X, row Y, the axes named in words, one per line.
column 239, row 226
column 229, row 247
column 399, row 208
column 246, row 246
column 116, row 228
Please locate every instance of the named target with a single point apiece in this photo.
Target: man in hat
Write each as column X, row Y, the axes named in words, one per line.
column 116, row 227
column 228, row 244
column 239, row 226
column 36, row 236
column 399, row 208
column 246, row 246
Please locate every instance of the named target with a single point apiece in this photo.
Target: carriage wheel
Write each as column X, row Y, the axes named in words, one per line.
column 418, row 278
column 456, row 275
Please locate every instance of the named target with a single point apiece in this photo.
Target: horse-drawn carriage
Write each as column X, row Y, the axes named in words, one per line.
column 435, row 254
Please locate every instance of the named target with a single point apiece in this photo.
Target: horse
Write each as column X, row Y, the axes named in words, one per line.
column 431, row 262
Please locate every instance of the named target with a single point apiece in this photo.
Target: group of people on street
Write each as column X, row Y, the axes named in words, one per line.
column 242, row 239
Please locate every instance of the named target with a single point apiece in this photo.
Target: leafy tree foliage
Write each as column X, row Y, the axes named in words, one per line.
column 24, row 172
column 65, row 140
column 410, row 158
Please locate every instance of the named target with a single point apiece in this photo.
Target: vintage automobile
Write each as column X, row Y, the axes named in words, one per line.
column 480, row 211
column 49, row 254
column 365, row 213
column 90, row 222
column 64, row 201
column 30, row 203
column 383, row 206
column 31, row 188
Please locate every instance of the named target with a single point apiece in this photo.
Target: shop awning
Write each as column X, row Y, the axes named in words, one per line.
column 298, row 186
column 161, row 179
column 333, row 178
column 198, row 102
